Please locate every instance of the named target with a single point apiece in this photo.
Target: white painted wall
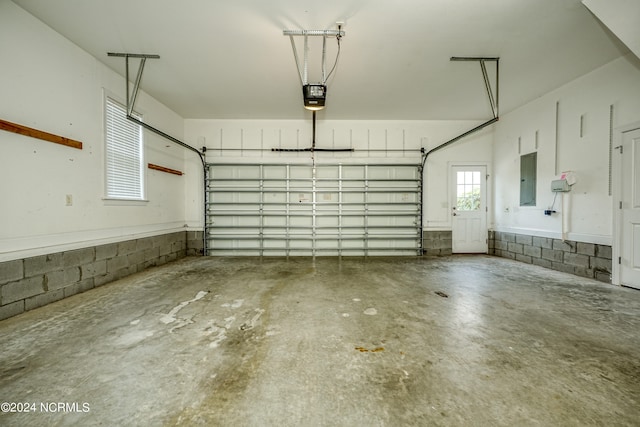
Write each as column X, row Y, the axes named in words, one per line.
column 587, row 209
column 262, row 135
column 50, row 84
column 621, row 16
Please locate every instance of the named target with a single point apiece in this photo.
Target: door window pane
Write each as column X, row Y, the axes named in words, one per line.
column 468, row 190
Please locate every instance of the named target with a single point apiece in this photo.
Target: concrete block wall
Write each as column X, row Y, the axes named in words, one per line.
column 195, row 243
column 582, row 259
column 436, row 243
column 33, row 282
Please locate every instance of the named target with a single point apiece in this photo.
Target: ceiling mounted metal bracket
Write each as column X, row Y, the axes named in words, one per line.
column 493, row 100
column 314, row 94
column 303, row 72
column 487, row 84
column 131, row 101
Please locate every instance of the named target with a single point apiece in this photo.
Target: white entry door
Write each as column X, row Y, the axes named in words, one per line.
column 469, row 209
column 630, row 207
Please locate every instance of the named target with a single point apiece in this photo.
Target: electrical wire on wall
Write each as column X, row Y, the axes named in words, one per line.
column 551, row 209
column 338, row 38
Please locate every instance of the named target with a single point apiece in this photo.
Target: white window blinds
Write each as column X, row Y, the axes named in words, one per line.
column 123, row 154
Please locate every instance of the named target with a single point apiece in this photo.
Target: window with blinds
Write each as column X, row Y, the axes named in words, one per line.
column 124, row 155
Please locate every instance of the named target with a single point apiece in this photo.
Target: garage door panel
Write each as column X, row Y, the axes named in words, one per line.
column 314, row 210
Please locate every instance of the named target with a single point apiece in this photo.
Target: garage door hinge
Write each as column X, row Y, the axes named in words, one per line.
column 620, row 205
column 619, row 260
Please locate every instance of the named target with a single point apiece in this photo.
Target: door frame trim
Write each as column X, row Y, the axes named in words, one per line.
column 488, row 192
column 616, row 189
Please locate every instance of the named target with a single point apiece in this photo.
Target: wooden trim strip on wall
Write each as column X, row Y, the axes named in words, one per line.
column 163, row 169
column 35, row 133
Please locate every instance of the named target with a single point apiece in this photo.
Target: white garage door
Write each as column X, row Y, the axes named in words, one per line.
column 314, row 210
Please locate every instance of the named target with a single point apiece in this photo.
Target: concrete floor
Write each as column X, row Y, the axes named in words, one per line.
column 463, row 340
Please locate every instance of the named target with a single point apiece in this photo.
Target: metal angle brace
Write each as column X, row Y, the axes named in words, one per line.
column 131, row 98
column 131, row 101
column 493, row 101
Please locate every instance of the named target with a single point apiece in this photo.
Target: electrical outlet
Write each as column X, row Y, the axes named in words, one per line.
column 68, row 200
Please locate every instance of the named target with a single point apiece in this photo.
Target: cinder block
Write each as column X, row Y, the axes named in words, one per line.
column 443, row 235
column 533, row 251
column 127, row 247
column 103, row 279
column 541, row 262
column 565, row 246
column 178, row 246
column 159, row 241
column 577, row 260
column 497, row 252
column 43, row 299
column 601, row 264
column 509, row 255
column 516, row 248
column 552, row 255
column 59, row 279
column 148, row 264
column 143, row 244
column 502, row 245
column 117, row 263
column 106, row 251
column 135, row 258
column 23, row 288
column 151, row 254
column 78, row 257
column 524, row 239
column 523, row 258
column 128, row 271
column 42, row 264
column 441, row 244
column 79, row 287
column 93, row 269
column 603, row 251
column 11, row 310
column 565, row 268
column 586, row 249
column 508, row 237
column 543, row 242
column 603, row 276
column 584, row 272
column 428, row 244
column 11, row 271
column 199, row 244
column 165, row 250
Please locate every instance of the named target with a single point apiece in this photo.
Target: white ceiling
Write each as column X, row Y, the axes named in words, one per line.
column 229, row 59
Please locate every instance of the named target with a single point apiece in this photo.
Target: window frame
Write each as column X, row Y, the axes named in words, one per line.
column 140, row 189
